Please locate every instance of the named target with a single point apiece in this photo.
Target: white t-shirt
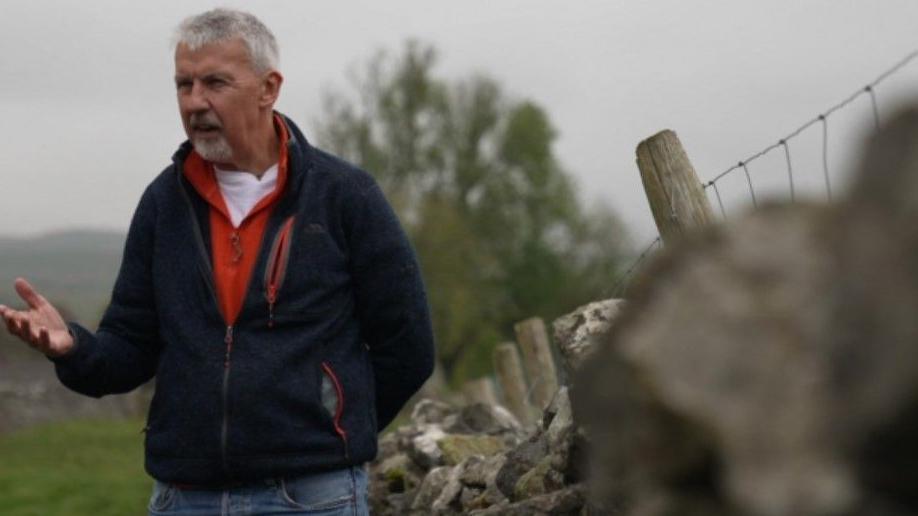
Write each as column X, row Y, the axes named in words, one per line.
column 242, row 190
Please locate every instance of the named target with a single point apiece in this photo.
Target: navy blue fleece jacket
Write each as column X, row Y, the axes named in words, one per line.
column 309, row 372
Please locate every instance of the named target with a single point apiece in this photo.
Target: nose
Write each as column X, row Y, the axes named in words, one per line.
column 193, row 98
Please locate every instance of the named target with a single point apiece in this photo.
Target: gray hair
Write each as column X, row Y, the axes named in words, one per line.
column 224, row 24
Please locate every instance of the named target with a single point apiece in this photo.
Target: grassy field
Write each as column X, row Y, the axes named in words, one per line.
column 91, row 468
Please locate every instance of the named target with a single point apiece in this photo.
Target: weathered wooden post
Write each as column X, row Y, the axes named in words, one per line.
column 540, row 366
column 675, row 193
column 480, row 390
column 512, row 383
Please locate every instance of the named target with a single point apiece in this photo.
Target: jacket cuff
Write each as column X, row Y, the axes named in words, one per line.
column 72, row 354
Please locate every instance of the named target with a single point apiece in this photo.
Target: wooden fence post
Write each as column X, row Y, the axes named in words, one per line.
column 480, row 390
column 675, row 193
column 540, row 365
column 512, row 383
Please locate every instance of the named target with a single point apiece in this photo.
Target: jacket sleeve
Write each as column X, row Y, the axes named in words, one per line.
column 390, row 300
column 124, row 352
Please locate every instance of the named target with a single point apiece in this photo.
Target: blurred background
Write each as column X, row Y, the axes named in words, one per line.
column 504, row 133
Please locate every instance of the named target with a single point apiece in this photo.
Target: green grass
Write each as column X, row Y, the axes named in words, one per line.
column 75, row 468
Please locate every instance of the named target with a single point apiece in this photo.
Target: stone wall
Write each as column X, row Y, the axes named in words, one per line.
column 31, row 394
column 769, row 366
column 479, row 460
column 764, row 367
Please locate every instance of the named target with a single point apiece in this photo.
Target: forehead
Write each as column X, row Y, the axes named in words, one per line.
column 227, row 56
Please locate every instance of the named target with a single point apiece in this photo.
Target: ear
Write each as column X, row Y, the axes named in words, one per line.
column 270, row 88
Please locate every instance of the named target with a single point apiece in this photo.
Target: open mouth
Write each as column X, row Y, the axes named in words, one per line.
column 205, row 129
column 204, row 124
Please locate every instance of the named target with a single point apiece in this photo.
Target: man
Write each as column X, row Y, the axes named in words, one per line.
column 270, row 290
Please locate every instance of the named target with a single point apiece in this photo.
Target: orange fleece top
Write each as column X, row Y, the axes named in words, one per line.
column 234, row 251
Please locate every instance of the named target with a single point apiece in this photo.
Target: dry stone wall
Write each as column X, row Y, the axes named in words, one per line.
column 769, row 367
column 479, row 460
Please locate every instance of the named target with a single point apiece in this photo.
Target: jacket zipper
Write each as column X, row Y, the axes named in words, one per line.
column 276, row 268
column 202, row 249
column 228, row 336
column 224, row 430
column 339, row 410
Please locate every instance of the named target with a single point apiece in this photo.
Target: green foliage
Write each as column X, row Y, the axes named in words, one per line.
column 91, row 468
column 496, row 221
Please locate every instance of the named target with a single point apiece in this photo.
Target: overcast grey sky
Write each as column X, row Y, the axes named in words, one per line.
column 88, row 114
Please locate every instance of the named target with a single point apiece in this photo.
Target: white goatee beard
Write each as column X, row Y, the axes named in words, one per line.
column 215, row 150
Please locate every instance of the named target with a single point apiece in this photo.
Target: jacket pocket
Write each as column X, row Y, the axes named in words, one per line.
column 324, row 491
column 332, row 397
column 276, row 268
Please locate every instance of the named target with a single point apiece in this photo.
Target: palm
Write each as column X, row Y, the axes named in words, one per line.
column 41, row 325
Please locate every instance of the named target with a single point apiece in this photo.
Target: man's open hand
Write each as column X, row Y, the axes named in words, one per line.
column 41, row 325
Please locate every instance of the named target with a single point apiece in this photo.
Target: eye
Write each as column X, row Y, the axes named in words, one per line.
column 182, row 85
column 215, row 82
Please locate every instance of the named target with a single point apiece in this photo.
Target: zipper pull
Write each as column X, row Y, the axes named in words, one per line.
column 228, row 340
column 236, row 241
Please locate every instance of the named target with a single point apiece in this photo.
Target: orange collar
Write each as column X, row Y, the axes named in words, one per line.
column 200, row 173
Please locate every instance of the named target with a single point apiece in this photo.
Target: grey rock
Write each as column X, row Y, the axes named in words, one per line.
column 751, row 364
column 393, row 504
column 448, row 500
column 424, row 448
column 674, row 504
column 539, row 480
column 561, row 420
column 431, row 487
column 456, row 448
column 470, row 498
column 398, row 473
column 520, row 460
column 565, row 502
column 481, row 418
column 481, row 473
column 578, row 333
column 428, row 412
column 686, row 384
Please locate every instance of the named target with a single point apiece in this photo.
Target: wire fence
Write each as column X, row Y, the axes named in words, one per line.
column 823, row 120
column 622, row 281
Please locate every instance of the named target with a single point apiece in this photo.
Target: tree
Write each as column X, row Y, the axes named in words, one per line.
column 497, row 223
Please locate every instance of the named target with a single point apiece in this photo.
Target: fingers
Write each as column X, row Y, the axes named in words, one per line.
column 19, row 324
column 25, row 331
column 28, row 293
column 9, row 320
column 44, row 339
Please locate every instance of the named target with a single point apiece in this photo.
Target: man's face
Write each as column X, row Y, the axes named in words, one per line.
column 219, row 97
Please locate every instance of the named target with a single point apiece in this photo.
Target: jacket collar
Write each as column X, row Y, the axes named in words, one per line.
column 299, row 153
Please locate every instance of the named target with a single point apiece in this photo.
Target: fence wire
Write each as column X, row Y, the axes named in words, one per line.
column 823, row 119
column 621, row 283
column 618, row 288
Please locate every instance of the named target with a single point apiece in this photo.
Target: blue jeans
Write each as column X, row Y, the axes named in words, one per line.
column 333, row 493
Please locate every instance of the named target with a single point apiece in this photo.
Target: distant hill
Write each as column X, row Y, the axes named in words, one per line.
column 75, row 269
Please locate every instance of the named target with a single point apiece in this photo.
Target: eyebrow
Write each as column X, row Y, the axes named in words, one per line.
column 215, row 75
